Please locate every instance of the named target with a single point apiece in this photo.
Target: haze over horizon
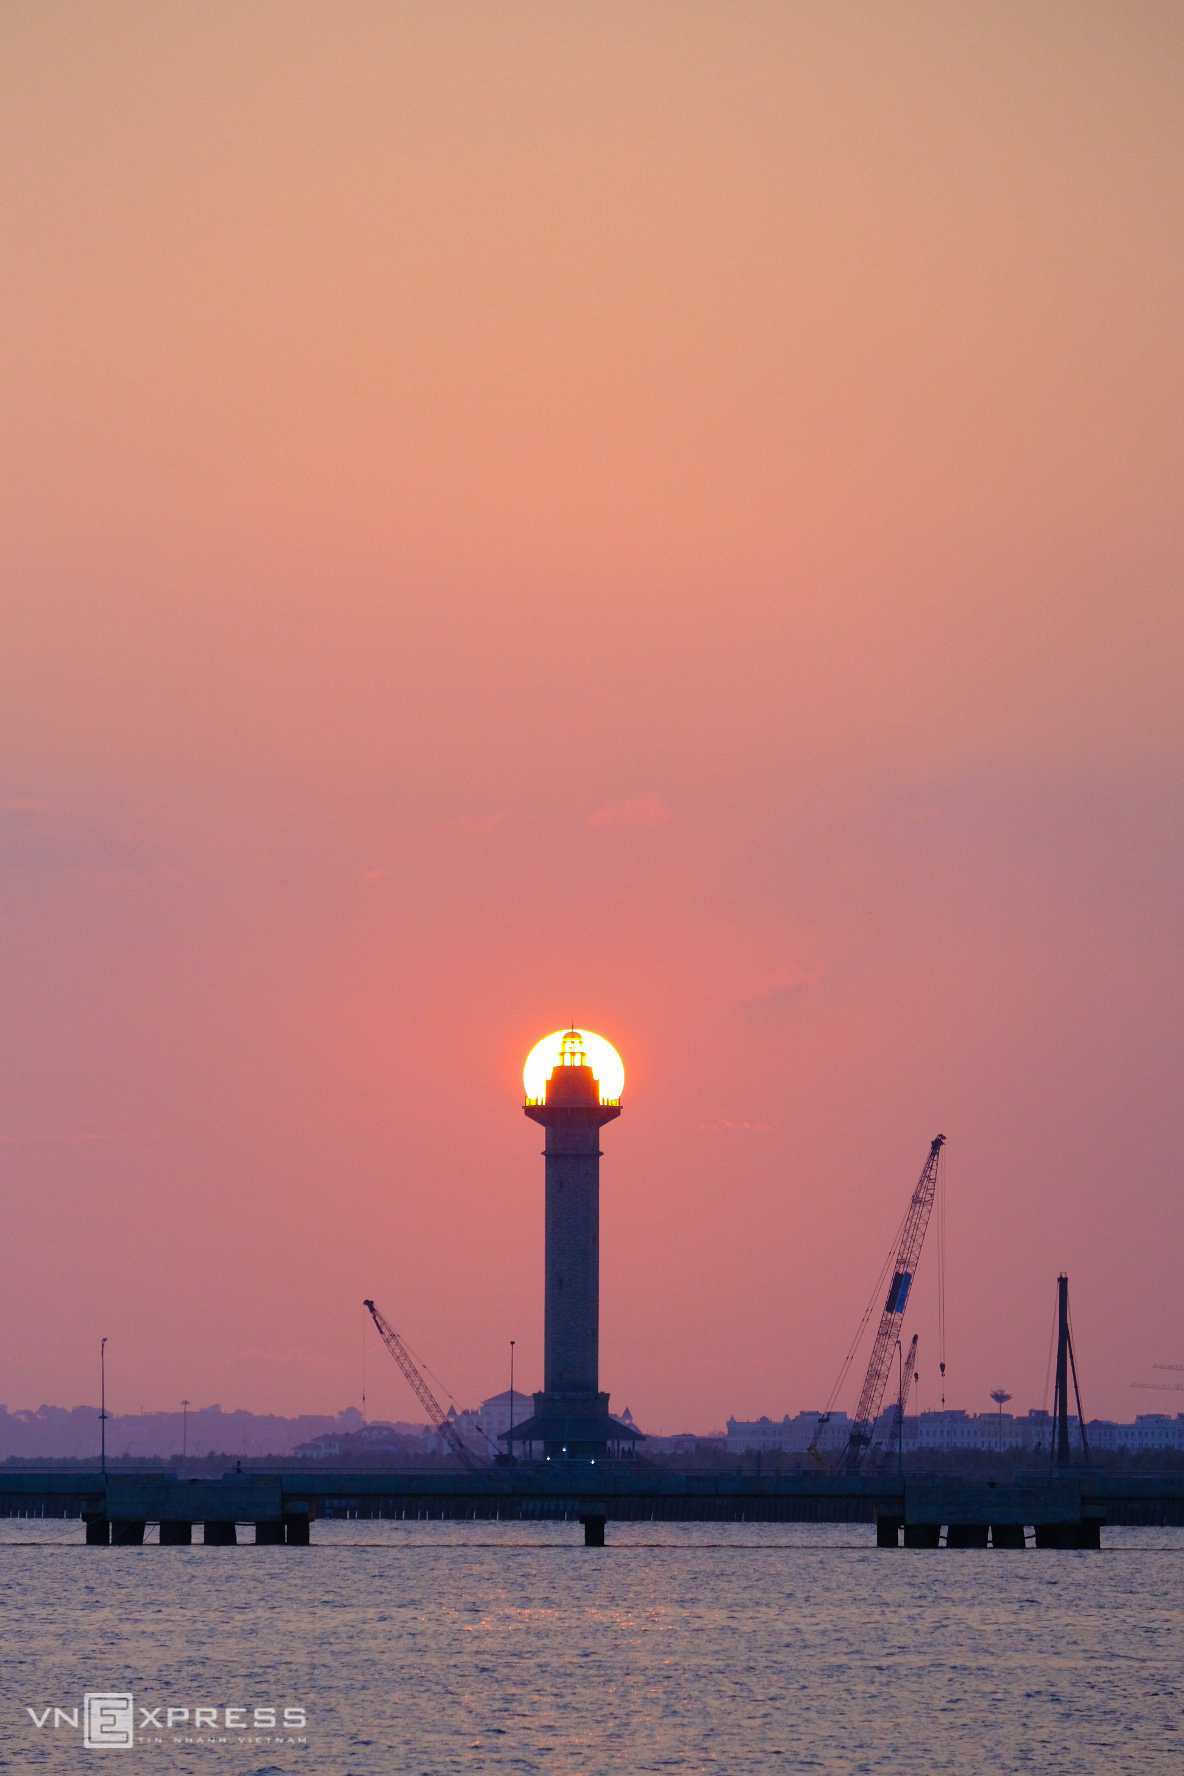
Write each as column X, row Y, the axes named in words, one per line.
column 662, row 517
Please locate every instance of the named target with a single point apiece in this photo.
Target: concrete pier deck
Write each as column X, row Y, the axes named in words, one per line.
column 1059, row 1510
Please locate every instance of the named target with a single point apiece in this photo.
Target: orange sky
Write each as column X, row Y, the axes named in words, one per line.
column 661, row 515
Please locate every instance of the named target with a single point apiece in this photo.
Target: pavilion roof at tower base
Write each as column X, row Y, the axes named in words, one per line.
column 574, row 1430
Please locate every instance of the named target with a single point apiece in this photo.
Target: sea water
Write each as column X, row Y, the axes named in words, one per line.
column 436, row 1649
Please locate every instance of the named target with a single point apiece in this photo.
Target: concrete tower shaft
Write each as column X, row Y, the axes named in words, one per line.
column 573, row 1117
column 571, row 1419
column 572, row 1233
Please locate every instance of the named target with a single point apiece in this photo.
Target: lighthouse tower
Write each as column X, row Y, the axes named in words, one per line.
column 571, row 1416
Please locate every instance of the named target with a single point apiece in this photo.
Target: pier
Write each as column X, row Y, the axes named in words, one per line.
column 278, row 1508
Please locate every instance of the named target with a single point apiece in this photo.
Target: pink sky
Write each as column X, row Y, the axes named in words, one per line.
column 661, row 515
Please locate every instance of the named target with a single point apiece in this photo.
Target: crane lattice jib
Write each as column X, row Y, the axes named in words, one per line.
column 906, row 1382
column 419, row 1387
column 908, row 1253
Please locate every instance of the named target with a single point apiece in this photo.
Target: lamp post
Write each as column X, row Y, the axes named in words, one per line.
column 899, row 1408
column 510, row 1438
column 184, row 1428
column 103, row 1405
column 1000, row 1397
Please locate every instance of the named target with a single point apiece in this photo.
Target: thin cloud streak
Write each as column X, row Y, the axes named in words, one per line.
column 472, row 823
column 642, row 813
column 727, row 1126
column 787, row 983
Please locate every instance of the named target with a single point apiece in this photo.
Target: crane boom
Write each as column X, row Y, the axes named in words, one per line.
column 908, row 1252
column 419, row 1387
column 898, row 1405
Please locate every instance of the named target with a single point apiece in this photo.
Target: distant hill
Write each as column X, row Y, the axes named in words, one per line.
column 72, row 1432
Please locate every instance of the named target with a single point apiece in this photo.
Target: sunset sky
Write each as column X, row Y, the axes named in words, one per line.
column 665, row 515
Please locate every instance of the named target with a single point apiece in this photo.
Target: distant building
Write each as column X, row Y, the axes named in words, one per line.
column 481, row 1426
column 1155, row 1430
column 380, row 1438
column 787, row 1436
column 953, row 1429
column 950, row 1430
column 324, row 1448
column 495, row 1415
column 685, row 1442
column 1103, row 1434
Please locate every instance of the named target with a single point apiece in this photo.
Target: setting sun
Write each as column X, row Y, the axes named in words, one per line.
column 603, row 1059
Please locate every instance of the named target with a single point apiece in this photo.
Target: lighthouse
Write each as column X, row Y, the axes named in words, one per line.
column 573, row 1088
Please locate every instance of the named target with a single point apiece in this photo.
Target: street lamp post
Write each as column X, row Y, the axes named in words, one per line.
column 184, row 1428
column 103, row 1405
column 510, row 1438
column 1000, row 1397
column 899, row 1408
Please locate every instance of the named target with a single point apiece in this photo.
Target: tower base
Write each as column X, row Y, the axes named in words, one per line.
column 575, row 1427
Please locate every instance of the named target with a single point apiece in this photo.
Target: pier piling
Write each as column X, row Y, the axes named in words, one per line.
column 593, row 1524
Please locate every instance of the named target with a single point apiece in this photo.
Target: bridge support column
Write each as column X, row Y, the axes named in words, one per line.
column 966, row 1535
column 220, row 1535
column 296, row 1528
column 98, row 1532
column 593, row 1523
column 174, row 1534
column 270, row 1534
column 1008, row 1535
column 127, row 1532
column 922, row 1535
column 1084, row 1534
column 888, row 1532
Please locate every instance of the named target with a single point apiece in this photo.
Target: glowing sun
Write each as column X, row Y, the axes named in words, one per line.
column 605, row 1062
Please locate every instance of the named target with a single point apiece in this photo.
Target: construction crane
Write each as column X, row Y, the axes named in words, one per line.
column 904, row 1262
column 419, row 1387
column 896, row 1423
column 908, row 1253
column 1163, row 1387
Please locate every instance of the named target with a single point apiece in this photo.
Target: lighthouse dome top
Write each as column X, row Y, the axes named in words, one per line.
column 574, row 1048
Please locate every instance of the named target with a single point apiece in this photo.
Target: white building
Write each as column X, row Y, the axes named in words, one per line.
column 953, row 1429
column 685, row 1442
column 322, row 1448
column 787, row 1436
column 377, row 1438
column 1155, row 1430
column 481, row 1427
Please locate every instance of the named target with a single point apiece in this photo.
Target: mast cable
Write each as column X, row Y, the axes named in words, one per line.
column 941, row 1288
column 1076, row 1389
column 869, row 1310
column 1052, row 1338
